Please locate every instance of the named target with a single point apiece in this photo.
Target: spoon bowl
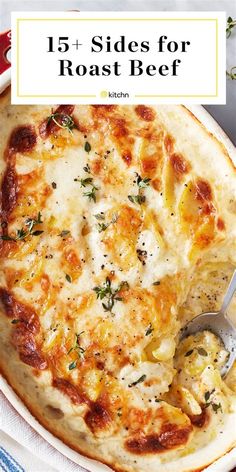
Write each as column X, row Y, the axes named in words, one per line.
column 219, row 324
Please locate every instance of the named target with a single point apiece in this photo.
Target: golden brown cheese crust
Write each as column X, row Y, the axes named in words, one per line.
column 102, row 224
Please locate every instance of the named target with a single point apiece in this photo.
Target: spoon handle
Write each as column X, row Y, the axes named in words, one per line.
column 229, row 294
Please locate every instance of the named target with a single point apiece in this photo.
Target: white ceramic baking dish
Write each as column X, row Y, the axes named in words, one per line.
column 228, row 461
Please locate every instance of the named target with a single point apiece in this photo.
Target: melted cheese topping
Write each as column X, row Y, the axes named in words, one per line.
column 97, row 287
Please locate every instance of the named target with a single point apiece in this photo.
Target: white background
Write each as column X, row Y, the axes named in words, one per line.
column 195, row 82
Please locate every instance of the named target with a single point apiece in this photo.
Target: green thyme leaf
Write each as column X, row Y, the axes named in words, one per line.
column 78, row 335
column 108, row 293
column 87, row 169
column 216, row 407
column 207, row 396
column 188, row 353
column 100, row 216
column 142, row 183
column 230, row 25
column 201, row 351
column 37, row 233
column 91, row 194
column 21, row 234
column 15, row 321
column 156, row 283
column 68, row 278
column 149, row 330
column 123, row 285
column 77, row 348
column 6, row 237
column 103, row 226
column 72, row 365
column 114, row 218
column 64, row 233
column 28, row 230
column 87, row 181
column 109, row 305
column 139, row 199
column 141, row 379
column 87, row 147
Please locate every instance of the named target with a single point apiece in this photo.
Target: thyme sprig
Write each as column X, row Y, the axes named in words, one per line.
column 208, row 402
column 27, row 230
column 232, row 73
column 230, row 25
column 63, row 121
column 141, row 183
column 91, row 193
column 78, row 349
column 103, row 225
column 109, row 294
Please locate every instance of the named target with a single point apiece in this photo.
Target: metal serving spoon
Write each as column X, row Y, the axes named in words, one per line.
column 218, row 323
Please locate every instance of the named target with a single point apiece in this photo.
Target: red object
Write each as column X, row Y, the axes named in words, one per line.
column 5, row 46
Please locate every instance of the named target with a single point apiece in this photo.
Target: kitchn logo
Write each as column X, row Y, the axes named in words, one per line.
column 106, row 94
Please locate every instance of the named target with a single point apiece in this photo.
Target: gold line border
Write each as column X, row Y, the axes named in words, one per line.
column 217, row 50
column 17, row 58
column 118, row 19
column 172, row 96
column 66, row 96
